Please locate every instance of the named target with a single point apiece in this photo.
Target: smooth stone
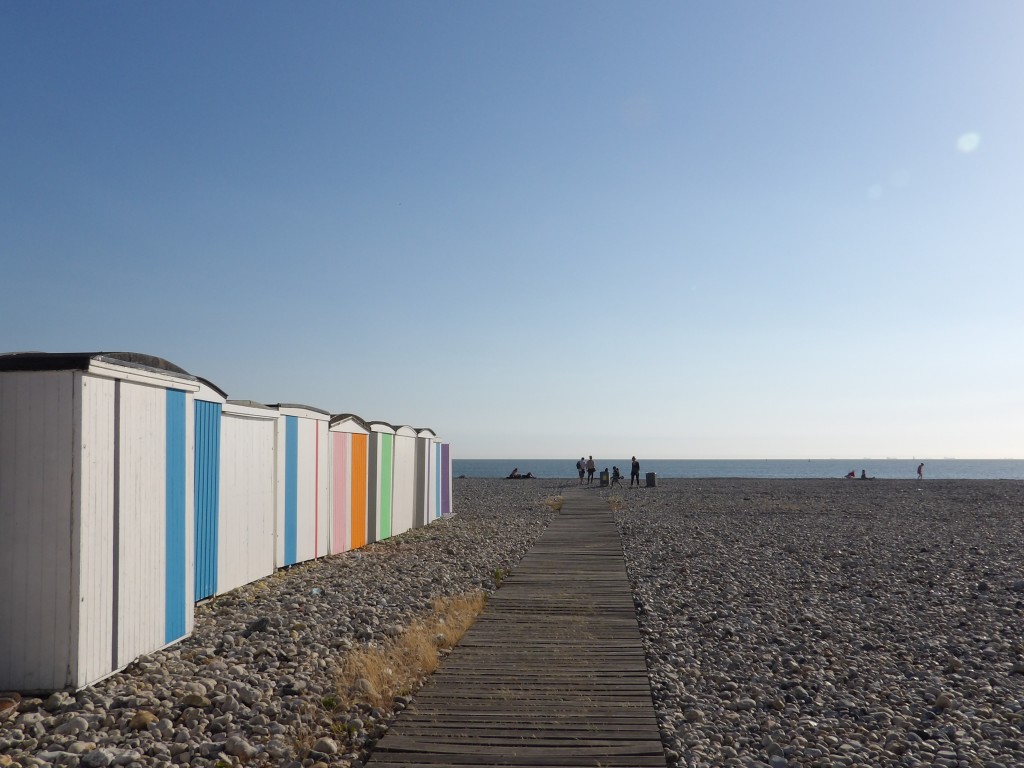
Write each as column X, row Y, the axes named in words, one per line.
column 236, row 746
column 141, row 720
column 98, row 758
column 72, row 727
column 326, row 746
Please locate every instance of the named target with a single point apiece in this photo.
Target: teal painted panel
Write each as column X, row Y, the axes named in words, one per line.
column 207, row 497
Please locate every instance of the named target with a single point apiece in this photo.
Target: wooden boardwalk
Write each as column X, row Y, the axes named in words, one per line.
column 551, row 674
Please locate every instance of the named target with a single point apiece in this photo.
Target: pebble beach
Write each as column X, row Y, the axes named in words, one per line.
column 832, row 622
column 786, row 623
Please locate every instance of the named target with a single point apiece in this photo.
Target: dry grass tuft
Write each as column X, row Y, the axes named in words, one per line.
column 555, row 502
column 375, row 676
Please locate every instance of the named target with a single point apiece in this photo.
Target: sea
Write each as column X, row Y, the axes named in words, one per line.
column 934, row 469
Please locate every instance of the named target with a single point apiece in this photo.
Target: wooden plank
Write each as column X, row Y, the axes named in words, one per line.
column 553, row 673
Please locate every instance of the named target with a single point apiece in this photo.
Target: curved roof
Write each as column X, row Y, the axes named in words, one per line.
column 213, row 386
column 79, row 361
column 299, row 405
column 340, row 417
column 250, row 404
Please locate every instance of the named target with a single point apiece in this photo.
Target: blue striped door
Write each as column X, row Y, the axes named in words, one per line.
column 207, row 493
column 174, row 585
column 291, row 489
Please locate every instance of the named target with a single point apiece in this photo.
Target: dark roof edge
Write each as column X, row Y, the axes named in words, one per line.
column 300, row 405
column 250, row 404
column 79, row 361
column 342, row 416
column 213, row 386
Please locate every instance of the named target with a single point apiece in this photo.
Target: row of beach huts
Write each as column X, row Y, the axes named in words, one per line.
column 130, row 490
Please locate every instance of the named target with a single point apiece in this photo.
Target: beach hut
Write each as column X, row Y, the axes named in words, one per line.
column 209, row 403
column 349, row 444
column 236, row 442
column 248, row 503
column 444, row 479
column 380, row 476
column 404, row 496
column 424, row 476
column 96, row 514
column 303, row 484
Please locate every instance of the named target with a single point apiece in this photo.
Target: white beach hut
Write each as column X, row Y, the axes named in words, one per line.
column 424, row 476
column 349, row 445
column 248, row 499
column 96, row 514
column 444, row 479
column 303, row 484
column 235, row 495
column 381, row 470
column 403, row 508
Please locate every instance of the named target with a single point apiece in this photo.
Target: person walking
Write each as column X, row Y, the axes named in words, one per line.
column 634, row 473
column 591, row 467
column 920, row 471
column 581, row 467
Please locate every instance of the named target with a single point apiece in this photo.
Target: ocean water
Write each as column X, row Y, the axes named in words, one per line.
column 934, row 469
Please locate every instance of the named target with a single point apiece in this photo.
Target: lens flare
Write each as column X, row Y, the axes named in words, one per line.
column 968, row 143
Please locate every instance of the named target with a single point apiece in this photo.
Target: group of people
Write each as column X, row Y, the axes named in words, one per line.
column 515, row 475
column 587, row 467
column 864, row 473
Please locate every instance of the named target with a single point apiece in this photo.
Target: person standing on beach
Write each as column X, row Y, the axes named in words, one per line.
column 634, row 473
column 920, row 471
column 581, row 467
column 591, row 466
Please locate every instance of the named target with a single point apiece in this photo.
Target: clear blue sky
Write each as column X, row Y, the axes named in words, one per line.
column 674, row 229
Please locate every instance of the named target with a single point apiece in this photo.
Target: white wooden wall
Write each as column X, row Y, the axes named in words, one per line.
column 94, row 507
column 341, row 492
column 313, row 487
column 404, row 485
column 247, row 500
column 36, row 412
column 141, row 549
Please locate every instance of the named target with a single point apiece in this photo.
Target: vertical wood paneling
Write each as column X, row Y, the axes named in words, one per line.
column 358, row 476
column 323, row 489
column 341, row 491
column 422, row 484
column 317, row 527
column 306, row 521
column 36, row 436
column 247, row 501
column 142, row 551
column 386, row 479
column 94, row 508
column 437, row 480
column 188, row 566
column 176, row 515
column 291, row 490
column 373, row 471
column 428, row 490
column 446, row 480
column 207, row 497
column 404, row 484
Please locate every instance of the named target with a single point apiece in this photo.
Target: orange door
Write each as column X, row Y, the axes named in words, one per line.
column 358, row 508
